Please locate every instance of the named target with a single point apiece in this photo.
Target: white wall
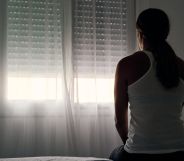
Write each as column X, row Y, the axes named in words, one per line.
column 175, row 11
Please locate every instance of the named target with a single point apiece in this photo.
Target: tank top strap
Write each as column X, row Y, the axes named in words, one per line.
column 151, row 57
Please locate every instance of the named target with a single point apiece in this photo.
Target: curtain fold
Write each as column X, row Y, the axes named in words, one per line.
column 59, row 75
column 2, row 50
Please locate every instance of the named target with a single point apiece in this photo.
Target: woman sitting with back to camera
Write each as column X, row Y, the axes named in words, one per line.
column 152, row 82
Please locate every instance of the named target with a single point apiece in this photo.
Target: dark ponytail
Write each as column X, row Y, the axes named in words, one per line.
column 166, row 67
column 154, row 25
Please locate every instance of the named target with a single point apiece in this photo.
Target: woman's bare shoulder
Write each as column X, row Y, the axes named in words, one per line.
column 134, row 66
column 135, row 57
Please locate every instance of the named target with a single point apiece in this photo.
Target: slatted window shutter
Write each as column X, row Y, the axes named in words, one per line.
column 34, row 40
column 99, row 36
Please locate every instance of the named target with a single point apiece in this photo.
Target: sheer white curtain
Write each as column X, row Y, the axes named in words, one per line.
column 58, row 60
column 36, row 118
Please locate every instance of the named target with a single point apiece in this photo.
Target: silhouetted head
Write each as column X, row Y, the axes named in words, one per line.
column 153, row 24
column 153, row 28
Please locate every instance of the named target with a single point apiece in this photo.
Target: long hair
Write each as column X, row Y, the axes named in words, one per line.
column 154, row 25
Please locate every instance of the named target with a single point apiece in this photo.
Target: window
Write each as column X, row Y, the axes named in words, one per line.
column 35, row 57
column 99, row 42
column 34, row 49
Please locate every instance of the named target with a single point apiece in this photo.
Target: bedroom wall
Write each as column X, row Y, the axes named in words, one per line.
column 175, row 11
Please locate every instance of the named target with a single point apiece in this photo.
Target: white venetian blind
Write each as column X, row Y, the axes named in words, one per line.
column 34, row 43
column 99, row 36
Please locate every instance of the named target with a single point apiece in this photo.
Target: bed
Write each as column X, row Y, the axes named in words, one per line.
column 54, row 158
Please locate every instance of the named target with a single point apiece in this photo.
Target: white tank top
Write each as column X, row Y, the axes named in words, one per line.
column 155, row 124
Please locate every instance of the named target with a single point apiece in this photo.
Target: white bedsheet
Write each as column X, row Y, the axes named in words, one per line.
column 55, row 158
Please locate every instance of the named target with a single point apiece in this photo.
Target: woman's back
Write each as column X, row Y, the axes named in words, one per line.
column 151, row 82
column 155, row 125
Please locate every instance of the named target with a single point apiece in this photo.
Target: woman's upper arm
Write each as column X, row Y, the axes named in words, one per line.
column 120, row 92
